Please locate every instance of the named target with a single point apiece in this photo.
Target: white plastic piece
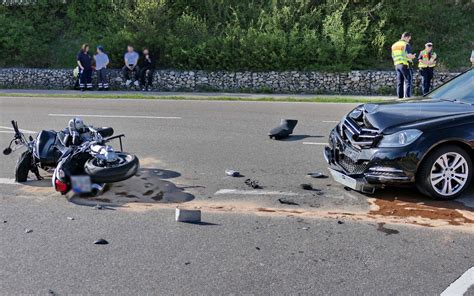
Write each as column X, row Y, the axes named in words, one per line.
column 188, row 215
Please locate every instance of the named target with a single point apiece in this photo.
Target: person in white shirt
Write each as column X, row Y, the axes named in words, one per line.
column 131, row 64
column 101, row 62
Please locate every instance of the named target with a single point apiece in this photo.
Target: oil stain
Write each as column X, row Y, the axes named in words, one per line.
column 425, row 210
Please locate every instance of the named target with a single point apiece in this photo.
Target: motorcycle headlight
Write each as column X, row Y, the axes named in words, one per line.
column 400, row 139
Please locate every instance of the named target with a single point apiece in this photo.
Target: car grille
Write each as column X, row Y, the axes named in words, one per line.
column 353, row 167
column 357, row 134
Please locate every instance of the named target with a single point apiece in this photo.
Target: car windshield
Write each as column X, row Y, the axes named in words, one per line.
column 459, row 89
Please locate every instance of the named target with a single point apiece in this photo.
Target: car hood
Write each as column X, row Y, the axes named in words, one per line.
column 386, row 115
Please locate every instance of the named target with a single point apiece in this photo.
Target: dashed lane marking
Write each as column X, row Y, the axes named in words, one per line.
column 461, row 285
column 10, row 130
column 314, row 143
column 7, row 181
column 114, row 116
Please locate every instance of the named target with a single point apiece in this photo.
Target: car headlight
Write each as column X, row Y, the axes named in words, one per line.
column 400, row 139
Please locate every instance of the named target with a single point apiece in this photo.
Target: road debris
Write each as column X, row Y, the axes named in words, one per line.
column 28, row 230
column 305, row 228
column 191, row 216
column 388, row 231
column 98, row 207
column 257, row 248
column 286, row 201
column 101, row 241
column 187, row 263
column 317, row 175
column 5, row 221
column 309, row 187
column 340, row 222
column 70, row 218
column 284, row 130
column 253, row 183
column 232, row 173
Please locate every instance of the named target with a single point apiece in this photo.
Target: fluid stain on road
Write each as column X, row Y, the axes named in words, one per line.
column 423, row 212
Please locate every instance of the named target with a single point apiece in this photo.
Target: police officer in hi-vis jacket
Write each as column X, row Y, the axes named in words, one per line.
column 401, row 59
column 426, row 63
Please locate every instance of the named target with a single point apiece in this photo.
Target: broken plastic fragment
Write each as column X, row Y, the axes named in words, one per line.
column 232, row 173
column 253, row 183
column 101, row 241
column 288, row 202
column 317, row 175
column 284, row 130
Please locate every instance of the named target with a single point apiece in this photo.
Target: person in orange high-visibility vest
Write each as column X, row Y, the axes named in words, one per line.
column 401, row 57
column 426, row 62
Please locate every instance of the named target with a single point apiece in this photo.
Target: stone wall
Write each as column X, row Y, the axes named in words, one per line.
column 354, row 82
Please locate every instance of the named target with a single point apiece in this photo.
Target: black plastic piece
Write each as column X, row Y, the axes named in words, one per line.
column 284, row 130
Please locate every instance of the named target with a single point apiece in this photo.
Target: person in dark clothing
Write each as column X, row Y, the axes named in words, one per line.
column 84, row 61
column 147, row 69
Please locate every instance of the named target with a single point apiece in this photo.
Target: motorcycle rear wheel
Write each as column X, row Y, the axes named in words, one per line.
column 124, row 168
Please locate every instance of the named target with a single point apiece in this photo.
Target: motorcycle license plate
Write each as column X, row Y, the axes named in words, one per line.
column 81, row 184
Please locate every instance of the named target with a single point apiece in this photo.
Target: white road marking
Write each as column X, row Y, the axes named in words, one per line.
column 10, row 129
column 461, row 285
column 254, row 192
column 7, row 181
column 115, row 116
column 314, row 143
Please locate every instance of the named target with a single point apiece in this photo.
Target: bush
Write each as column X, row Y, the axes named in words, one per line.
column 258, row 35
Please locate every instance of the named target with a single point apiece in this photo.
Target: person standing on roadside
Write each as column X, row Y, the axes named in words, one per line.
column 401, row 58
column 409, row 91
column 84, row 61
column 131, row 64
column 101, row 62
column 426, row 63
column 147, row 70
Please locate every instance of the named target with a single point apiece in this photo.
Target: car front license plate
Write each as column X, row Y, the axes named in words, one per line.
column 81, row 184
column 344, row 179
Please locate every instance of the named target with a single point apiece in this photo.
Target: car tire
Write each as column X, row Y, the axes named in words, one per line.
column 23, row 166
column 445, row 174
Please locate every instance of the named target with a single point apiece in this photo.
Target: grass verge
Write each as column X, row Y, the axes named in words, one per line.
column 315, row 99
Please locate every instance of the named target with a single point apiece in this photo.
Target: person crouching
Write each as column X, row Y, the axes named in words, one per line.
column 101, row 62
column 84, row 61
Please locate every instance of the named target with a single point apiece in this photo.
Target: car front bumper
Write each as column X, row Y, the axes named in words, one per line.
column 369, row 168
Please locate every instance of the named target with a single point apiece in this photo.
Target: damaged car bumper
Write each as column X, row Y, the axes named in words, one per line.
column 365, row 169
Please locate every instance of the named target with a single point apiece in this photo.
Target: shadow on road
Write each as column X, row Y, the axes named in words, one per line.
column 294, row 138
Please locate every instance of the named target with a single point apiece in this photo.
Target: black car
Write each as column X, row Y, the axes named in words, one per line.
column 427, row 141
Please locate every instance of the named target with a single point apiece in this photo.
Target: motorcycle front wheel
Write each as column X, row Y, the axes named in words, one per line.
column 124, row 168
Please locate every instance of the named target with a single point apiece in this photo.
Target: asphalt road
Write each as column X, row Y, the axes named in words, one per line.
column 333, row 242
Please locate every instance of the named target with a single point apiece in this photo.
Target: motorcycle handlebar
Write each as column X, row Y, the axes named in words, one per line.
column 15, row 127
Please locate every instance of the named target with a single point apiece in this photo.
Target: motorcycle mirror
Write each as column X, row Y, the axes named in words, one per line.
column 7, row 151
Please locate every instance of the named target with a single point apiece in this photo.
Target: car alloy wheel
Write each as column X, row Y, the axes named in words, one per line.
column 449, row 174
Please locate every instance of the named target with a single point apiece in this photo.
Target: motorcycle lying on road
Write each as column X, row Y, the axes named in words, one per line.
column 82, row 166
